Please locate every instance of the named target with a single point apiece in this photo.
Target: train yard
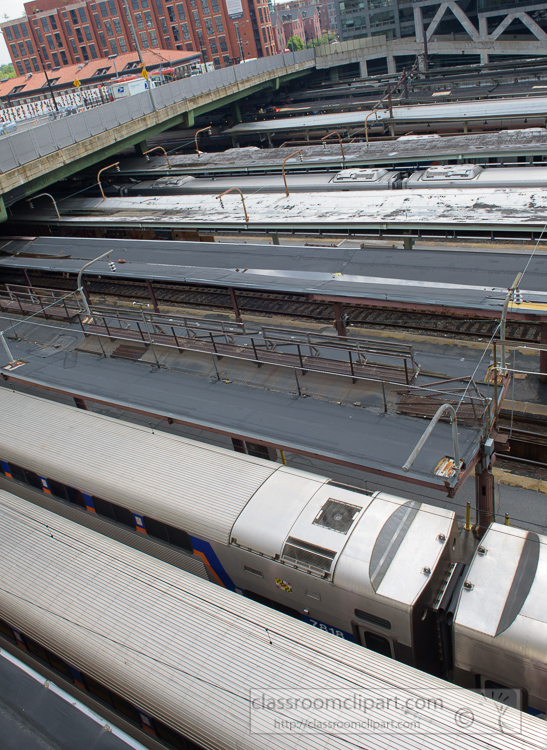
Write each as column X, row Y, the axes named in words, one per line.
column 289, row 363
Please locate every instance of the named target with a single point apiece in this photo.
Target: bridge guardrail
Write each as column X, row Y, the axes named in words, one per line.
column 26, row 146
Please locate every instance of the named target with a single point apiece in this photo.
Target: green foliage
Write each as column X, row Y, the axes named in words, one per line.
column 326, row 38
column 294, row 43
column 7, row 71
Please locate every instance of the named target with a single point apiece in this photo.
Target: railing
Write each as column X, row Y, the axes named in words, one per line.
column 361, row 374
column 23, row 147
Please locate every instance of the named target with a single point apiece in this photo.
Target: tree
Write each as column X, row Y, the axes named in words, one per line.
column 294, row 43
column 7, row 71
column 326, row 38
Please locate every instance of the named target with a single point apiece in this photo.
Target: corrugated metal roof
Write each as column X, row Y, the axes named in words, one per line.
column 189, row 653
column 163, row 476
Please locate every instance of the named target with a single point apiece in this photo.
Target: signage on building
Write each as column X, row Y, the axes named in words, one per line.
column 234, row 8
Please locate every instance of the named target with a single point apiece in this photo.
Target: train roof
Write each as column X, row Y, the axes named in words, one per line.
column 161, row 475
column 502, row 607
column 203, row 660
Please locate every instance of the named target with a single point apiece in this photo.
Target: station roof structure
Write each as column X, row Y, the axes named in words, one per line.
column 487, row 209
column 442, row 280
column 36, row 714
column 478, row 146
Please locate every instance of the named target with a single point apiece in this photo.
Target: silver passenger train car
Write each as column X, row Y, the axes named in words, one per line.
column 378, row 178
column 367, row 567
column 183, row 664
column 474, row 176
column 500, row 621
column 314, row 182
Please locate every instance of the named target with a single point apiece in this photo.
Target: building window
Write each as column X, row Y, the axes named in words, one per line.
column 20, row 68
column 223, row 46
column 14, row 52
column 87, row 32
column 55, row 59
column 103, row 9
column 226, row 60
column 83, row 15
column 148, row 18
column 27, row 66
column 35, row 65
column 144, row 39
column 153, row 38
column 58, row 40
column 85, row 55
column 135, row 4
column 53, row 22
column 219, row 25
column 185, row 32
column 22, row 49
column 102, row 40
column 45, row 53
column 214, row 6
column 108, row 27
column 113, row 47
column 74, row 48
column 209, row 26
column 163, row 26
column 24, row 28
column 216, row 62
column 205, row 7
column 117, row 25
column 9, row 35
column 68, row 28
column 64, row 58
column 213, row 46
column 197, row 21
column 79, row 35
column 39, row 36
column 93, row 51
column 180, row 11
column 138, row 19
column 74, row 16
column 112, row 6
column 45, row 26
column 97, row 20
column 123, row 45
column 176, row 35
column 171, row 13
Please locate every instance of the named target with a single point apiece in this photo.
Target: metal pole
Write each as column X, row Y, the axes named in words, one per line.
column 29, row 200
column 6, row 347
column 242, row 200
column 510, row 293
column 47, row 79
column 453, row 418
column 283, row 170
column 79, row 280
column 99, row 173
column 196, row 137
column 159, row 148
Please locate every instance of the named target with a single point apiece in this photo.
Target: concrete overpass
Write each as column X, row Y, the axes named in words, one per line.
column 33, row 159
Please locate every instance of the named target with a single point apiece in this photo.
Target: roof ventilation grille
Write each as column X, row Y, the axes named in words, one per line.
column 337, row 516
column 308, row 555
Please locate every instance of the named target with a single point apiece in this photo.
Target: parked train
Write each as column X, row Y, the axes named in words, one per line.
column 377, row 178
column 187, row 665
column 366, row 566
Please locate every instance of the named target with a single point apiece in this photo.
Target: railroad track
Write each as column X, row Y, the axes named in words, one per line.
column 292, row 306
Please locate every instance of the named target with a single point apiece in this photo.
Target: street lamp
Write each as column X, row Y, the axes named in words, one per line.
column 116, row 164
column 113, row 58
column 196, row 137
column 241, row 53
column 79, row 288
column 34, row 197
column 47, row 79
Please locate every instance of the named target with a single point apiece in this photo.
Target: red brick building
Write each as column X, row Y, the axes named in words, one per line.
column 56, row 33
column 293, row 25
column 279, row 32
